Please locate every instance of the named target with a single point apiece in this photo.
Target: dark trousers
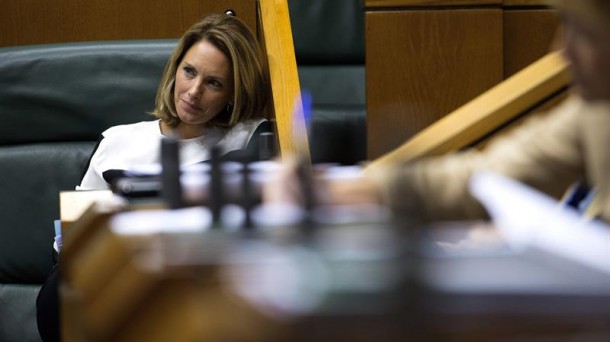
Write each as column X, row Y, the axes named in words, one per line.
column 47, row 308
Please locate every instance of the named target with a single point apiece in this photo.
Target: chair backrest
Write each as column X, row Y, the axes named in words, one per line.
column 64, row 21
column 531, row 90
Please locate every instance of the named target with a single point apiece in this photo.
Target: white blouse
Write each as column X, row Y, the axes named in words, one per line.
column 138, row 146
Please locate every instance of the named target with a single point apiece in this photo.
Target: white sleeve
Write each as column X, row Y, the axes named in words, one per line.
column 93, row 179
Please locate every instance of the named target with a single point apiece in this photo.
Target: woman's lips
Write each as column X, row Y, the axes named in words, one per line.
column 189, row 106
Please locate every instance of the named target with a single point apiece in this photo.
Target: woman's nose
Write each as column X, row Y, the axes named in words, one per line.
column 195, row 91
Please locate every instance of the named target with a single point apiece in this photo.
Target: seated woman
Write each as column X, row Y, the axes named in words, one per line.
column 214, row 92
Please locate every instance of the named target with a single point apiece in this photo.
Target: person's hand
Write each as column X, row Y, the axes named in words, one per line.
column 329, row 186
column 284, row 187
column 350, row 190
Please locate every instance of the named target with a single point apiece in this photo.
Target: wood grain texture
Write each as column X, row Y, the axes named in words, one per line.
column 528, row 35
column 412, row 3
column 277, row 35
column 487, row 112
column 148, row 287
column 24, row 22
column 535, row 3
column 422, row 65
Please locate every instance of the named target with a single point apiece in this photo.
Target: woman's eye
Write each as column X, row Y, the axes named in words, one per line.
column 214, row 83
column 189, row 71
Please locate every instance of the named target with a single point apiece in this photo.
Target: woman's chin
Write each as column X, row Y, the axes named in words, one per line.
column 195, row 119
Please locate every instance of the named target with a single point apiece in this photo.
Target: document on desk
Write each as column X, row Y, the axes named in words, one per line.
column 150, row 222
column 529, row 218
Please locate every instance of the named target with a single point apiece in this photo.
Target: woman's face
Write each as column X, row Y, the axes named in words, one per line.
column 587, row 47
column 204, row 87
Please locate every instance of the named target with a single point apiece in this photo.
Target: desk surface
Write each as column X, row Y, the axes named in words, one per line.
column 72, row 204
column 346, row 282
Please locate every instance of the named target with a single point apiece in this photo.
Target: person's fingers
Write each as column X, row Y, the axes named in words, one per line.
column 284, row 186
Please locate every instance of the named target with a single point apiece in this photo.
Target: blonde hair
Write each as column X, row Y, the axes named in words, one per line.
column 252, row 88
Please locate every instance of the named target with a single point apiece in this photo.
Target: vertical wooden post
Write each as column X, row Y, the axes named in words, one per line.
column 276, row 35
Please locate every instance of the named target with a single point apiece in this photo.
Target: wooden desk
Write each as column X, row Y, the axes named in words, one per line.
column 148, row 287
column 72, row 204
column 426, row 58
column 162, row 288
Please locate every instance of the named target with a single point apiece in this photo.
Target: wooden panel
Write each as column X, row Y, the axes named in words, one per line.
column 528, row 35
column 409, row 3
column 509, row 3
column 493, row 109
column 24, row 22
column 424, row 64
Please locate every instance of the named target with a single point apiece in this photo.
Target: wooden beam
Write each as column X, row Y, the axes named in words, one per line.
column 277, row 37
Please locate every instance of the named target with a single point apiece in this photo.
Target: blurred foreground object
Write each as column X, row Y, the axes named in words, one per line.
column 133, row 274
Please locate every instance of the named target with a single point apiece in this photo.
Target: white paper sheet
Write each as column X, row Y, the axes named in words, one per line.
column 529, row 218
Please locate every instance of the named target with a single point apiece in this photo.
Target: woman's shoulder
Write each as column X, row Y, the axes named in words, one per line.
column 250, row 124
column 247, row 128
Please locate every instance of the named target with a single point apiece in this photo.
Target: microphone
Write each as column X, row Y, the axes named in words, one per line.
column 267, row 148
column 171, row 189
column 216, row 186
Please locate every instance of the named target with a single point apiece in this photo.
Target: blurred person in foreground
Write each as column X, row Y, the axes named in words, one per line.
column 550, row 153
